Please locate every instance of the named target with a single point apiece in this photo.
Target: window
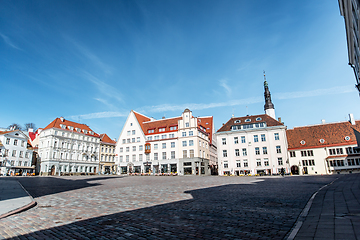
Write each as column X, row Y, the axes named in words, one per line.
column 237, row 152
column 26, row 155
column 172, row 154
column 278, row 149
column 163, row 145
column 123, row 141
column 265, row 150
column 183, row 134
column 127, row 149
column 151, row 130
column 14, row 153
column 238, row 163
column 133, row 132
column 191, row 133
column 128, row 133
column 134, row 158
column 173, row 128
column 134, row 148
column 256, row 139
column 276, row 135
column 280, row 161
column 141, row 148
column 292, row 154
column 127, row 158
column 15, row 142
column 263, row 139
column 128, row 140
column 248, row 120
column 138, row 139
column 332, row 151
column 236, row 140
column 172, row 144
column 258, row 119
column 149, row 138
column 304, row 154
column 266, row 162
column 191, row 142
column 156, row 146
column 245, row 163
column 184, row 143
column 305, row 163
column 133, row 140
column 162, row 129
column 226, row 165
column 339, row 151
column 311, row 162
column 171, row 135
column 242, row 139
column 140, row 157
column 224, row 153
column 21, row 154
column 163, row 136
column 258, row 162
column 257, row 151
column 224, row 141
column 164, row 155
column 191, row 153
column 22, row 143
column 156, row 156
column 121, row 149
column 187, row 124
column 311, row 153
column 184, row 153
column 244, row 152
column 8, row 141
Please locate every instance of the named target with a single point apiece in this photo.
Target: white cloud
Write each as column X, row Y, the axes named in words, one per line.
column 9, row 42
column 223, row 83
column 98, row 115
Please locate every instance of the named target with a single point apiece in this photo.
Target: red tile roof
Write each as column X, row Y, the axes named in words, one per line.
column 105, row 139
column 207, row 123
column 56, row 124
column 333, row 134
column 270, row 122
column 141, row 119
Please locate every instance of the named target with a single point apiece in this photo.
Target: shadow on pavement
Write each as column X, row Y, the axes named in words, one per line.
column 42, row 186
column 264, row 210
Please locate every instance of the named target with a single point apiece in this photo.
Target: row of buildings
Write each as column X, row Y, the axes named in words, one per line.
column 248, row 145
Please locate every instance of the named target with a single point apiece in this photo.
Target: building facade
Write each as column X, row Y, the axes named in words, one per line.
column 349, row 9
column 16, row 154
column 179, row 145
column 253, row 144
column 326, row 148
column 68, row 148
column 107, row 155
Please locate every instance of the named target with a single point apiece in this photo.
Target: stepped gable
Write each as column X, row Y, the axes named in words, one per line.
column 270, row 122
column 162, row 123
column 106, row 139
column 56, row 124
column 333, row 134
column 207, row 123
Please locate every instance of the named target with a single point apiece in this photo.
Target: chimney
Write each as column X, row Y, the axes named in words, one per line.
column 163, row 117
column 322, row 121
column 232, row 116
column 351, row 119
column 279, row 119
column 62, row 119
column 30, row 130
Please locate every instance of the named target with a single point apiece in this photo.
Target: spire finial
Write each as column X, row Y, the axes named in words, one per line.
column 265, row 82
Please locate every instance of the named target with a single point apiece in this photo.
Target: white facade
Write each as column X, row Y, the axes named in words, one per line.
column 68, row 148
column 257, row 147
column 15, row 157
column 175, row 145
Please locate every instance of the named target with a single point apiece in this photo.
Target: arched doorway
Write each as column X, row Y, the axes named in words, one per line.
column 52, row 170
column 294, row 170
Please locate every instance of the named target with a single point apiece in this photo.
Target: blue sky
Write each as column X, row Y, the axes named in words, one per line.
column 94, row 61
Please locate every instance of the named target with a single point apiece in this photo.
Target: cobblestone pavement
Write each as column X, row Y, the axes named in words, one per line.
column 182, row 207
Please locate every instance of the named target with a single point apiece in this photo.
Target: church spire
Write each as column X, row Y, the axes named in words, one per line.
column 269, row 106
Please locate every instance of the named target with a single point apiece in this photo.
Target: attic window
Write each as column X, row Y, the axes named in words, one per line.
column 248, row 120
column 321, row 140
column 85, row 131
column 162, row 129
column 347, row 138
column 71, row 127
column 62, row 126
column 16, row 134
column 151, row 130
column 258, row 119
column 237, row 121
column 302, row 142
column 78, row 129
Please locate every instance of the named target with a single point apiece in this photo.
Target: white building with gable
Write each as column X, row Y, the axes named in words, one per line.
column 179, row 145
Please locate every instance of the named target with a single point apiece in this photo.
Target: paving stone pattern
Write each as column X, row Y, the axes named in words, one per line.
column 163, row 207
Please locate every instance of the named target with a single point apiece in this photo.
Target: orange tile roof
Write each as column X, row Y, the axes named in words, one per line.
column 270, row 122
column 56, row 124
column 333, row 133
column 156, row 124
column 141, row 119
column 105, row 139
column 207, row 123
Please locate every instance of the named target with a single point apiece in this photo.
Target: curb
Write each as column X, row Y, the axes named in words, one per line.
column 300, row 220
column 23, row 208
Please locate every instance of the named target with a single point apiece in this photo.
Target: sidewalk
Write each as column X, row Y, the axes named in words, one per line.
column 334, row 212
column 13, row 198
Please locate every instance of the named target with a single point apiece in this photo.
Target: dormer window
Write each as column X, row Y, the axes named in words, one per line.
column 78, row 129
column 322, row 140
column 162, row 129
column 237, row 121
column 85, row 131
column 258, row 119
column 302, row 142
column 151, row 130
column 347, row 138
column 62, row 126
column 248, row 120
column 173, row 128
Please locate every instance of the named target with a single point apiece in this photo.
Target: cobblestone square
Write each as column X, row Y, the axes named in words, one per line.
column 166, row 207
